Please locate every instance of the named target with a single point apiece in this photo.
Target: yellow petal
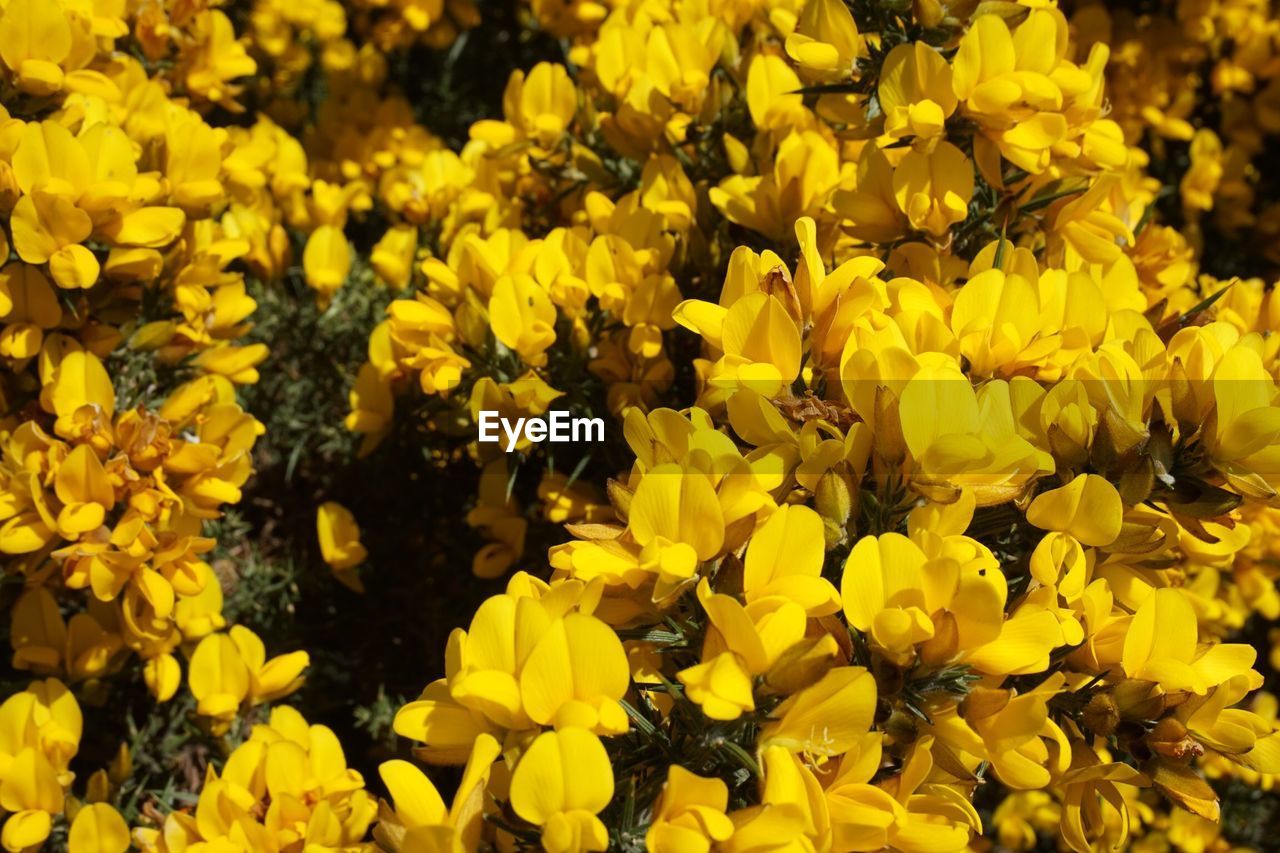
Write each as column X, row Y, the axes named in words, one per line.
column 81, row 380
column 148, row 227
column 827, row 718
column 562, row 771
column 578, row 659
column 98, row 828
column 1089, row 508
column 416, row 799
column 339, row 536
column 1164, row 628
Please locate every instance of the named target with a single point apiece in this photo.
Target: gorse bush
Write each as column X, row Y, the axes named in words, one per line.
column 936, row 347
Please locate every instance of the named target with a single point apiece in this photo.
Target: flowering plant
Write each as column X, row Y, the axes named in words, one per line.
column 934, row 348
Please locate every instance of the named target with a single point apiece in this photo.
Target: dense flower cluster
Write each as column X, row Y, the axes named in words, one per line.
column 1202, row 90
column 940, row 507
column 562, row 230
column 287, row 784
column 960, row 496
column 120, row 204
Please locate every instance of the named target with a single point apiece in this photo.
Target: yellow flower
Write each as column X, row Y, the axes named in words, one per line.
column 915, row 92
column 162, row 675
column 792, row 814
column 1245, row 439
column 961, row 439
column 523, row 662
column 761, row 343
column 327, row 260
column 48, row 228
column 286, row 784
column 1162, row 646
column 560, row 783
column 79, row 380
column 805, row 170
column 996, row 319
column 933, row 189
column 219, row 59
column 914, row 811
column 542, row 104
column 420, row 819
column 1088, row 508
column 98, row 828
column 523, row 317
column 1201, row 180
column 721, row 686
column 888, row 402
column 31, row 793
column 229, row 669
column 676, row 517
column 393, row 255
column 1088, row 786
column 1018, row 85
column 36, row 39
column 690, row 814
column 870, row 209
column 771, row 94
column 40, row 732
column 419, row 336
column 825, row 43
column 575, row 676
column 885, row 595
column 340, row 541
column 372, row 408
column 825, row 719
column 784, row 560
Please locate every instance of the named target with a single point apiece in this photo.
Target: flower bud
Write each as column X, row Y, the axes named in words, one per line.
column 1101, row 714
